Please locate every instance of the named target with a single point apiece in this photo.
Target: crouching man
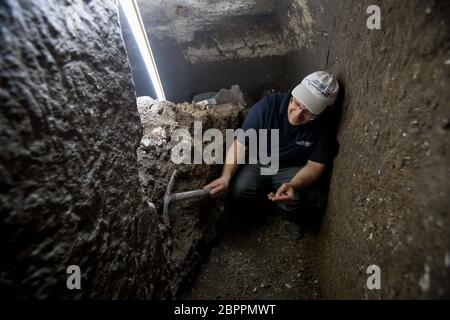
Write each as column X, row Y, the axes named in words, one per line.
column 305, row 147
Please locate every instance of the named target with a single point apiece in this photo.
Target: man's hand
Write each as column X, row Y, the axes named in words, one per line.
column 285, row 193
column 218, row 186
column 229, row 169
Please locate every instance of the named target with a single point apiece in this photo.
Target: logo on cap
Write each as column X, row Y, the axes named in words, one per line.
column 319, row 86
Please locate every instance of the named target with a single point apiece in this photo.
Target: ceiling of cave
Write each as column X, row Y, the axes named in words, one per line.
column 215, row 30
column 181, row 20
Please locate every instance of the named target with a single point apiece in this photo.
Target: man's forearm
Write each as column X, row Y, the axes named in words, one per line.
column 229, row 170
column 231, row 164
column 307, row 175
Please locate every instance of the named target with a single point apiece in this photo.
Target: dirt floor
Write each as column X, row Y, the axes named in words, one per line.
column 258, row 260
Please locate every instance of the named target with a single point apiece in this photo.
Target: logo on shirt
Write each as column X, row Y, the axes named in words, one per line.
column 304, row 143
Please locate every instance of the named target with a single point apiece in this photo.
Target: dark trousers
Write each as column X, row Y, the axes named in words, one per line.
column 248, row 191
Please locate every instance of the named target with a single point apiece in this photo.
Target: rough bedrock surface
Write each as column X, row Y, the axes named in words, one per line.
column 394, row 154
column 69, row 132
column 209, row 31
column 192, row 224
column 319, row 43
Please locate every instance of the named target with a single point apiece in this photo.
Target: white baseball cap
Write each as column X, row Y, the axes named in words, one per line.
column 317, row 91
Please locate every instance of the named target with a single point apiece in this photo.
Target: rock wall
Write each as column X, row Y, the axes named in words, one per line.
column 388, row 201
column 69, row 132
column 213, row 31
column 190, row 226
column 310, row 28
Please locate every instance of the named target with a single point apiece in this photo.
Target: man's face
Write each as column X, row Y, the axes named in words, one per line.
column 298, row 114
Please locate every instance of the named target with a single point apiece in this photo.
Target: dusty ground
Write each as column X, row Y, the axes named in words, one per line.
column 258, row 260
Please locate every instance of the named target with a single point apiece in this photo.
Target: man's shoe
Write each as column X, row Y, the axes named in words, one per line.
column 295, row 230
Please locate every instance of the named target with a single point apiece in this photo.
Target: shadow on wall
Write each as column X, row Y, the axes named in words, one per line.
column 313, row 219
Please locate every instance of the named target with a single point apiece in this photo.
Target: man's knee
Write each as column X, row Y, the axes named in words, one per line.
column 245, row 184
column 288, row 208
column 240, row 191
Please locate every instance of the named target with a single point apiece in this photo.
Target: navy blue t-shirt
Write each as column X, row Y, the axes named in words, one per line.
column 298, row 144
